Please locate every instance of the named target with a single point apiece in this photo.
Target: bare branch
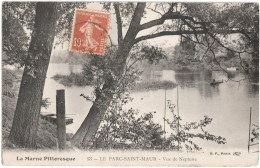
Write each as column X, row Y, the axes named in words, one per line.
column 164, row 33
column 154, row 11
column 197, row 42
column 218, row 41
column 156, row 22
column 171, row 15
column 222, row 45
column 209, row 47
column 169, row 33
column 192, row 27
column 225, row 70
column 229, row 49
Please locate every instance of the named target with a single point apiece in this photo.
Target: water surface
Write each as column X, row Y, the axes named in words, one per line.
column 228, row 103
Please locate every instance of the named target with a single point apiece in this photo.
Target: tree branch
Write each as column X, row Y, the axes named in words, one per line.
column 214, row 56
column 192, row 27
column 171, row 15
column 156, row 22
column 119, row 23
column 222, row 45
column 154, row 11
column 181, row 32
column 165, row 33
column 209, row 47
column 134, row 26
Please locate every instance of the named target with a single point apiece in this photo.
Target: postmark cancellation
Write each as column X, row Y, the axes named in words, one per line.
column 89, row 31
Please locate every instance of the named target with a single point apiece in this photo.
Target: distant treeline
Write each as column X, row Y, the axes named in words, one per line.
column 182, row 58
column 64, row 56
column 189, row 58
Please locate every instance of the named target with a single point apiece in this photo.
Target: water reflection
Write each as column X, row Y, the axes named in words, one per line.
column 228, row 103
column 253, row 89
column 202, row 80
column 154, row 76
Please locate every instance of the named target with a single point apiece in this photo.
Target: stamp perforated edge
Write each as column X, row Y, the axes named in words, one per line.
column 72, row 33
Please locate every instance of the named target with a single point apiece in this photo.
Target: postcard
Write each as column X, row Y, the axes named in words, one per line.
column 130, row 84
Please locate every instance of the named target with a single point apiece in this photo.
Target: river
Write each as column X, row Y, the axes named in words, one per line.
column 228, row 103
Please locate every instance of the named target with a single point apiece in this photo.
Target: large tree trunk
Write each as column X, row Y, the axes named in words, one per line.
column 27, row 112
column 96, row 113
column 91, row 123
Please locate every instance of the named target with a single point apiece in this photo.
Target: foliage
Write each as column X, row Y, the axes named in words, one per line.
column 127, row 129
column 183, row 56
column 45, row 103
column 183, row 60
column 245, row 16
column 15, row 41
column 18, row 22
column 124, row 130
column 207, row 19
column 65, row 19
column 255, row 133
column 187, row 59
column 23, row 12
column 182, row 134
column 153, row 54
column 100, row 67
column 46, row 134
column 223, row 17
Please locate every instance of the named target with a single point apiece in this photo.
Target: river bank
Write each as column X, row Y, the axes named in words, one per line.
column 73, row 79
column 46, row 134
column 78, row 79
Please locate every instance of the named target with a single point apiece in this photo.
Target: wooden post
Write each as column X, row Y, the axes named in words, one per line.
column 178, row 128
column 164, row 113
column 249, row 129
column 61, row 123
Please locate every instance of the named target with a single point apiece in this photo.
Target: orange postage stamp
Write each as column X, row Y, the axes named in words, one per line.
column 89, row 31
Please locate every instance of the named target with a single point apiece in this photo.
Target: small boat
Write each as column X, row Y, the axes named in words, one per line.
column 215, row 82
column 53, row 118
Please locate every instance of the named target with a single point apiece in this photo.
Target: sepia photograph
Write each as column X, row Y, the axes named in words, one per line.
column 130, row 83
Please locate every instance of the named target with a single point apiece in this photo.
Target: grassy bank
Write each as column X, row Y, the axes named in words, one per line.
column 153, row 85
column 46, row 135
column 78, row 79
column 74, row 79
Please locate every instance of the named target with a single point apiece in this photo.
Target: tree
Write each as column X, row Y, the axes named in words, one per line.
column 184, row 54
column 25, row 122
column 191, row 21
column 15, row 40
column 241, row 17
column 39, row 19
column 196, row 22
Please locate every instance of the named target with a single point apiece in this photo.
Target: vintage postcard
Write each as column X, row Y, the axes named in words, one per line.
column 130, row 84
